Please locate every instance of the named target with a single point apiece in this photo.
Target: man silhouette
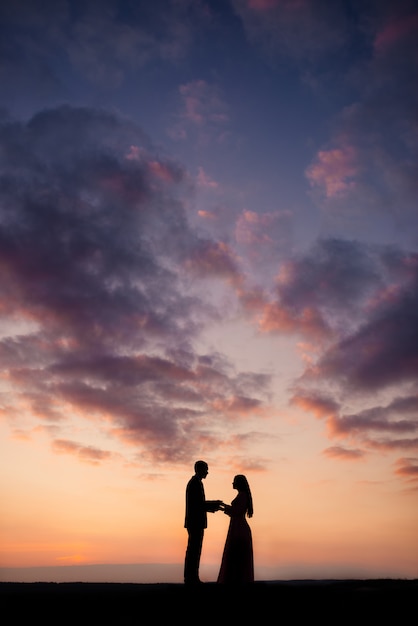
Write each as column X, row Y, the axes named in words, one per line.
column 196, row 521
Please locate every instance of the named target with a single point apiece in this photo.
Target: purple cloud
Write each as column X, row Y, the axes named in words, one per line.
column 368, row 296
column 383, row 351
column 94, row 246
column 407, row 468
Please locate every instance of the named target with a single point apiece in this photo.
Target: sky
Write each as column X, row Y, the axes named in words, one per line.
column 208, row 250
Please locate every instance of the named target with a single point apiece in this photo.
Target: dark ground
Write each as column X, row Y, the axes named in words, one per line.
column 275, row 602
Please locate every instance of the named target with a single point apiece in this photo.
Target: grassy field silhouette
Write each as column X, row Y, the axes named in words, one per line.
column 359, row 601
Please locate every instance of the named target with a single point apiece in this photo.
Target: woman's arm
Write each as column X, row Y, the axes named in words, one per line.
column 238, row 506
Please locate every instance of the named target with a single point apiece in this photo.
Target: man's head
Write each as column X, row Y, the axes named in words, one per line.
column 201, row 468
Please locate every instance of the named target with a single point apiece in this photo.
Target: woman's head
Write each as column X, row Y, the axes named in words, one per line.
column 241, row 483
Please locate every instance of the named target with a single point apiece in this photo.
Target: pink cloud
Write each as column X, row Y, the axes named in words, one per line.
column 307, row 321
column 252, row 227
column 319, row 405
column 135, row 153
column 161, row 171
column 389, row 445
column 211, row 258
column 164, row 171
column 207, row 215
column 346, row 454
column 407, row 468
column 238, row 406
column 203, row 103
column 242, row 464
column 263, row 239
column 89, row 454
column 204, row 181
column 202, row 113
column 193, row 101
column 334, row 171
column 22, row 435
column 253, row 300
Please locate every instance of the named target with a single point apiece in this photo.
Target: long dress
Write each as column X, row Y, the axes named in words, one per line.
column 237, row 565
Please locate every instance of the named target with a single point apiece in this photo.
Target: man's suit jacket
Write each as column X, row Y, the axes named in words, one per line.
column 197, row 505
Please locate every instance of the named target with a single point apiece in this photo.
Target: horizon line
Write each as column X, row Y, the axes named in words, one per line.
column 172, row 573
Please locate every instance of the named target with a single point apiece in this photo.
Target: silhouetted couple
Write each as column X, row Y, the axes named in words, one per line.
column 237, row 565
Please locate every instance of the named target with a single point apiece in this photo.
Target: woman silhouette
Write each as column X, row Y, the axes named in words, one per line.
column 237, row 565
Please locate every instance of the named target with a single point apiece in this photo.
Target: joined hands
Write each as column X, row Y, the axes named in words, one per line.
column 221, row 506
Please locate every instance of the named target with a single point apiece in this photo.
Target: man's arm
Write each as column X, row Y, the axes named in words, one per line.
column 213, row 505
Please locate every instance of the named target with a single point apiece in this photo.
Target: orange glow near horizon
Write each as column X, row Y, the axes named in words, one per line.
column 79, row 515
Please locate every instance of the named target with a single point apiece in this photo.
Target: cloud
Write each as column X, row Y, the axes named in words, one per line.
column 320, row 405
column 323, row 291
column 383, row 351
column 215, row 259
column 361, row 300
column 94, row 250
column 307, row 321
column 338, row 452
column 88, row 454
column 303, row 30
column 368, row 165
column 203, row 113
column 73, row 230
column 407, row 468
column 366, row 170
column 204, row 181
column 104, row 43
column 203, row 103
column 399, row 28
column 238, row 405
column 390, row 419
column 390, row 444
column 366, row 297
column 334, row 171
column 377, row 429
column 263, row 240
column 248, row 464
column 260, row 228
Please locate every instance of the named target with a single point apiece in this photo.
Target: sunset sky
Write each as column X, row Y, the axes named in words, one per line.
column 209, row 249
